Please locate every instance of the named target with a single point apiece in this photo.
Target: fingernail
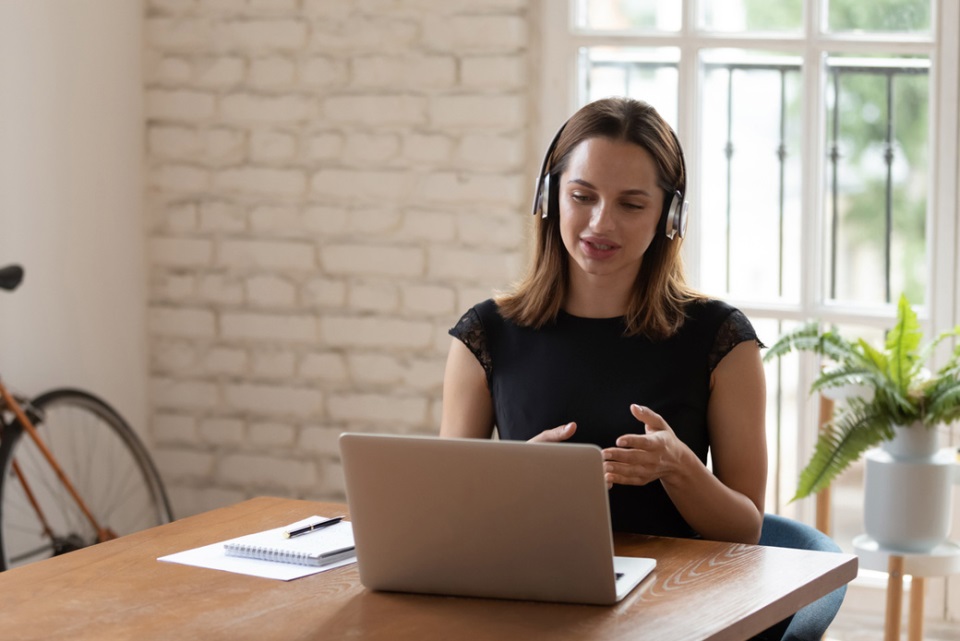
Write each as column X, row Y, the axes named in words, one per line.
column 568, row 427
column 640, row 408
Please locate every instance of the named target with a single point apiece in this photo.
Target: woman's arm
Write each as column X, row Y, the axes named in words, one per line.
column 724, row 505
column 467, row 406
column 736, row 420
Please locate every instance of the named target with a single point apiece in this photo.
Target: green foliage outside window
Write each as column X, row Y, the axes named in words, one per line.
column 878, row 15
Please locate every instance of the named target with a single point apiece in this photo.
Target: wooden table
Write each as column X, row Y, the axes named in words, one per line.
column 118, row 590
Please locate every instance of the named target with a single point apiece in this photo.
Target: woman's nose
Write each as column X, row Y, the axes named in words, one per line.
column 601, row 217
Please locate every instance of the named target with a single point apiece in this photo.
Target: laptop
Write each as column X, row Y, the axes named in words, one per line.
column 484, row 518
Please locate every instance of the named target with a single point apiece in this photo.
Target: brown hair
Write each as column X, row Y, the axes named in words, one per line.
column 660, row 292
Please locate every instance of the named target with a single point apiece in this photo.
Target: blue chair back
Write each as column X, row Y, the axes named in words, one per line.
column 810, row 623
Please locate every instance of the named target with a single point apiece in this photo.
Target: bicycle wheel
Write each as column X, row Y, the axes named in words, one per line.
column 100, row 455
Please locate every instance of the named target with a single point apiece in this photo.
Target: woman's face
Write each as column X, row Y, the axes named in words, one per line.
column 610, row 204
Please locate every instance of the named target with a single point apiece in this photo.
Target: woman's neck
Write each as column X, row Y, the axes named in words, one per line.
column 591, row 297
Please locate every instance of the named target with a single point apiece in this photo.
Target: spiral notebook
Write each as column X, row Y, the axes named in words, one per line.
column 319, row 548
column 214, row 556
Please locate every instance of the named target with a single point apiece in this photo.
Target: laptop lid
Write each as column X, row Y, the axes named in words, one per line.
column 483, row 518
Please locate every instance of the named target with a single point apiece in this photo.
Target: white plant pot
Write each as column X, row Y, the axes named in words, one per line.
column 907, row 491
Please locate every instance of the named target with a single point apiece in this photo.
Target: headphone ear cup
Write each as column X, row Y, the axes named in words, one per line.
column 682, row 218
column 544, row 204
column 547, row 198
column 543, row 200
column 675, row 219
column 539, row 197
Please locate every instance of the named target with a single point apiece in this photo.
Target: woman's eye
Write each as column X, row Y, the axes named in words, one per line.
column 580, row 198
column 633, row 206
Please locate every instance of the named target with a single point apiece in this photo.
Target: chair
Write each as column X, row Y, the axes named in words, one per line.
column 810, row 623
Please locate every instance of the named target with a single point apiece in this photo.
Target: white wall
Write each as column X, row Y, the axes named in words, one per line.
column 71, row 131
column 330, row 184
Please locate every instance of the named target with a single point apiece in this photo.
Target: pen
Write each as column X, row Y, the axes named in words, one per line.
column 313, row 527
column 336, row 555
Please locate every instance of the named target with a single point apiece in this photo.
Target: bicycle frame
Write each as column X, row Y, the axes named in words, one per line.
column 10, row 403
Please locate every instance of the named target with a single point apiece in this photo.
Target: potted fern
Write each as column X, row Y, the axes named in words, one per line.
column 897, row 405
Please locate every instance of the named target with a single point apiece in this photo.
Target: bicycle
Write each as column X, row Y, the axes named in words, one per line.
column 73, row 472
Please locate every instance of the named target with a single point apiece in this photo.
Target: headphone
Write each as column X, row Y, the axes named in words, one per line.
column 673, row 218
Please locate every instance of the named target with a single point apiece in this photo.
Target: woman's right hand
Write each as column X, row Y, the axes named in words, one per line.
column 555, row 435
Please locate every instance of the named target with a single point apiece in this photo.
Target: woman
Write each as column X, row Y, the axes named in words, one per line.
column 602, row 342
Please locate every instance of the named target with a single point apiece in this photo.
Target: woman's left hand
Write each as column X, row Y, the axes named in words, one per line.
column 639, row 459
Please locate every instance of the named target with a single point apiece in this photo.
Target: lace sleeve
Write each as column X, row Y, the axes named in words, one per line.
column 733, row 331
column 469, row 330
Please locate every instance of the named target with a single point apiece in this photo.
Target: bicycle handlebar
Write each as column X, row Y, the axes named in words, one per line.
column 10, row 277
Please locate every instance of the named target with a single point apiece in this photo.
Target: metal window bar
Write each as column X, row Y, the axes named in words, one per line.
column 889, row 69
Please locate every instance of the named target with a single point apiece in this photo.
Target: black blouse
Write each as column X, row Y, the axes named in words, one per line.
column 586, row 370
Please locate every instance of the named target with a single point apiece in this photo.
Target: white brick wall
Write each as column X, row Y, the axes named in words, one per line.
column 330, row 184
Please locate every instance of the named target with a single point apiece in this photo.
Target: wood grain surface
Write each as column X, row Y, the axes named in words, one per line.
column 118, row 590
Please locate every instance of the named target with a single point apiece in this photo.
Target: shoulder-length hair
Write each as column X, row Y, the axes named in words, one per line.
column 656, row 306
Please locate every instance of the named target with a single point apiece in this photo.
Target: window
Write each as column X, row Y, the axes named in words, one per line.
column 821, row 141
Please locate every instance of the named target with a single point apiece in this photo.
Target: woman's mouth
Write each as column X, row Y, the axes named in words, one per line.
column 598, row 248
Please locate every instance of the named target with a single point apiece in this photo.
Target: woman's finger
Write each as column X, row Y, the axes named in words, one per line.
column 653, row 421
column 555, row 435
